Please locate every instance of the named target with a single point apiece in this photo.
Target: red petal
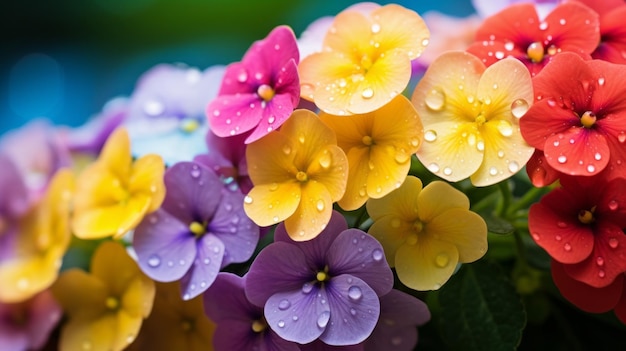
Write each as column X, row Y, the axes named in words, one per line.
column 585, row 297
column 543, row 119
column 539, row 171
column 573, row 27
column 518, row 23
column 578, row 151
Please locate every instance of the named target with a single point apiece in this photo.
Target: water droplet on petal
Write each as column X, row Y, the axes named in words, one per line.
column 430, row 135
column 601, row 273
column 435, row 99
column 433, row 167
column 505, row 128
column 613, row 243
column 375, row 28
column 367, row 93
column 613, row 205
column 377, row 255
column 561, row 224
column 320, row 205
column 281, row 323
column 567, row 247
column 323, row 319
column 284, row 304
column 242, row 77
column 591, row 168
column 247, row 199
column 307, row 287
column 353, row 311
column 154, row 261
column 519, row 108
column 273, row 187
column 286, row 149
column 442, row 260
column 325, row 160
column 561, row 159
column 600, row 261
column 493, row 171
column 513, row 167
column 447, row 171
column 195, row 172
column 355, row 293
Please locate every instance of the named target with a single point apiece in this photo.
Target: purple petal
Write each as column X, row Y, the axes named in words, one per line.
column 316, row 249
column 165, row 247
column 354, row 311
column 13, row 194
column 233, row 227
column 236, row 335
column 191, row 192
column 279, row 267
column 402, row 338
column 275, row 113
column 297, row 315
column 206, row 266
column 359, row 254
column 226, row 300
column 44, row 314
column 91, row 136
column 319, row 345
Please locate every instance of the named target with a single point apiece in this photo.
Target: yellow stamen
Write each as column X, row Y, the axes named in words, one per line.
column 418, row 226
column 258, row 326
column 367, row 140
column 586, row 216
column 112, row 303
column 197, row 228
column 185, row 325
column 588, row 119
column 189, row 125
column 366, row 62
column 535, row 52
column 265, row 92
column 321, row 276
column 302, row 176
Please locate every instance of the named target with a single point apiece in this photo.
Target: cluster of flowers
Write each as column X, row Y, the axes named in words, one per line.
column 295, row 163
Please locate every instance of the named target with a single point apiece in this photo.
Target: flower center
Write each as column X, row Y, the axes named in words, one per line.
column 366, row 62
column 480, row 119
column 322, row 276
column 197, row 228
column 258, row 326
column 186, row 325
column 189, row 125
column 586, row 216
column 418, row 226
column 112, row 303
column 367, row 140
column 535, row 52
column 265, row 92
column 588, row 119
column 302, row 176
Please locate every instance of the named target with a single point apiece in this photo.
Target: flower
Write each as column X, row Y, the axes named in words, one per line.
column 240, row 324
column 166, row 111
column 297, row 172
column 175, row 324
column 486, row 8
column 426, row 232
column 379, row 146
column 259, row 93
column 326, row 288
column 470, row 115
column 200, row 228
column 578, row 117
column 400, row 314
column 114, row 193
column 27, row 325
column 105, row 308
column 518, row 32
column 366, row 60
column 580, row 225
column 36, row 241
column 612, row 47
column 539, row 171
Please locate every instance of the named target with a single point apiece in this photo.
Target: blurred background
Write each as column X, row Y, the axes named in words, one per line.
column 63, row 60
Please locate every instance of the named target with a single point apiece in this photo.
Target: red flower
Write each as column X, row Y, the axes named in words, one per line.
column 580, row 224
column 612, row 45
column 579, row 117
column 539, row 171
column 517, row 31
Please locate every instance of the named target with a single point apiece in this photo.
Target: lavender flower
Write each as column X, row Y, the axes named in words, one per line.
column 326, row 288
column 200, row 228
column 240, row 324
column 14, row 202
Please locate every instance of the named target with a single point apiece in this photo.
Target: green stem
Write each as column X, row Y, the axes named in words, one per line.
column 505, row 190
column 520, row 248
column 524, row 201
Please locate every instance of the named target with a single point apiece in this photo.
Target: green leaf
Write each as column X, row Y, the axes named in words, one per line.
column 480, row 310
column 498, row 225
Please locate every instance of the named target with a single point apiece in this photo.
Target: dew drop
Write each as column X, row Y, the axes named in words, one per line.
column 621, row 137
column 513, row 167
column 505, row 128
column 301, row 138
column 562, row 21
column 353, row 311
column 509, row 45
column 543, row 26
column 600, row 261
column 442, row 260
column 499, row 55
column 601, row 273
column 377, row 255
column 154, row 261
column 367, row 93
column 284, row 304
column 435, row 99
column 195, row 172
column 447, row 171
column 247, row 199
column 355, row 293
column 430, row 135
column 242, row 77
column 601, row 81
column 597, row 156
column 375, row 28
column 536, row 236
column 567, row 247
column 206, row 261
column 519, row 108
column 558, row 237
column 325, row 160
column 613, row 243
column 561, row 224
column 433, row 167
column 480, row 145
column 500, row 153
column 561, row 159
column 286, row 149
column 613, row 205
column 323, row 319
column 307, row 287
column 281, row 323
column 273, row 187
column 493, row 171
column 320, row 205
column 591, row 168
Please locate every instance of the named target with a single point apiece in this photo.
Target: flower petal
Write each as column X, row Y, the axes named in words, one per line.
column 356, row 187
column 147, row 178
column 275, row 113
column 268, row 204
column 426, row 265
column 431, row 204
column 358, row 254
column 391, row 231
column 462, row 228
column 394, row 32
column 312, row 214
column 165, row 247
column 206, row 265
column 354, row 311
column 231, row 115
column 577, row 151
column 76, row 289
column 402, row 202
column 103, row 221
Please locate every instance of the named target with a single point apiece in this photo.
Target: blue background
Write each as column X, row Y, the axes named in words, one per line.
column 63, row 60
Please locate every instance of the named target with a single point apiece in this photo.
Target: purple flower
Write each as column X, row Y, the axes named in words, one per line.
column 14, row 202
column 259, row 93
column 240, row 324
column 166, row 111
column 325, row 288
column 400, row 314
column 27, row 325
column 200, row 228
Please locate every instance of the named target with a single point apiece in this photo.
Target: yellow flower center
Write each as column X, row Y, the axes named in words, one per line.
column 366, row 62
column 197, row 228
column 322, row 276
column 418, row 226
column 112, row 303
column 411, row 239
column 586, row 216
column 588, row 119
column 367, row 140
column 302, row 176
column 480, row 119
column 535, row 52
column 258, row 326
column 189, row 125
column 265, row 92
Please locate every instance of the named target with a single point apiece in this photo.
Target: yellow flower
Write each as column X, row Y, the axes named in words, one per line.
column 42, row 240
column 298, row 173
column 175, row 324
column 105, row 309
column 471, row 118
column 379, row 146
column 426, row 232
column 114, row 193
column 366, row 60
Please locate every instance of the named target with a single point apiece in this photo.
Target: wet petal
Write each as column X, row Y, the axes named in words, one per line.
column 392, row 33
column 206, row 265
column 275, row 113
column 430, row 200
column 402, row 202
column 312, row 214
column 462, row 228
column 426, row 265
column 354, row 311
column 356, row 187
column 539, row 171
column 268, row 204
column 231, row 115
column 391, row 231
column 577, row 151
column 147, row 178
